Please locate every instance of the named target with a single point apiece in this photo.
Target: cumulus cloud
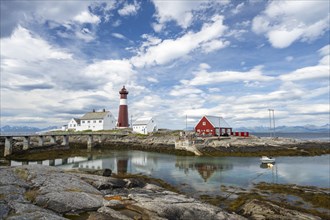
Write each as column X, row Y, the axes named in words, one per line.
column 179, row 11
column 23, row 45
column 171, row 49
column 322, row 70
column 203, row 77
column 14, row 13
column 238, row 8
column 87, row 17
column 284, row 22
column 182, row 12
column 129, row 9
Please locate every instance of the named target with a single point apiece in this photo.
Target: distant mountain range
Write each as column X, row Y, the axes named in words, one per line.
column 27, row 129
column 287, row 129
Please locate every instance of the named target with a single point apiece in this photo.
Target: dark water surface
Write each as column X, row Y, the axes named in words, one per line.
column 205, row 175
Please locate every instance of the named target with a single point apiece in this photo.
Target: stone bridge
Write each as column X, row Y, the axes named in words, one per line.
column 92, row 137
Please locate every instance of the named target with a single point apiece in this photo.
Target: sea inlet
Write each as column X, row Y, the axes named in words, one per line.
column 202, row 175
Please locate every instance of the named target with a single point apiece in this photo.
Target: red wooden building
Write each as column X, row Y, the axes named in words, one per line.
column 209, row 125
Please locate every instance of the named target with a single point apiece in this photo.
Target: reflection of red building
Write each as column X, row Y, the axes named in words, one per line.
column 209, row 125
column 205, row 170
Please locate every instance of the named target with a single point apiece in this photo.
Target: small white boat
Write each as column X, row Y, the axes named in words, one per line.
column 265, row 159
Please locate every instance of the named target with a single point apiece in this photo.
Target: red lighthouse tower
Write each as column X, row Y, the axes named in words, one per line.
column 123, row 110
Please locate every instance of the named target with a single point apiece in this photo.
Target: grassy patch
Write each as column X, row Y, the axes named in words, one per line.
column 22, row 173
column 147, row 179
column 31, row 195
column 242, row 199
column 318, row 199
column 74, row 190
column 217, row 201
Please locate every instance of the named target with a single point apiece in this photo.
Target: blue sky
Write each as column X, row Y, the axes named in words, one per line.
column 236, row 59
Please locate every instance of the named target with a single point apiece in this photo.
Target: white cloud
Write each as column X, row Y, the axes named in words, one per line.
column 179, row 11
column 116, row 71
column 87, row 17
column 214, row 45
column 169, row 49
column 307, row 73
column 129, row 9
column 204, row 77
column 204, row 66
column 324, row 51
column 238, row 8
column 284, row 22
column 153, row 80
column 182, row 12
column 184, row 91
column 119, row 36
column 24, row 46
column 311, row 109
column 322, row 70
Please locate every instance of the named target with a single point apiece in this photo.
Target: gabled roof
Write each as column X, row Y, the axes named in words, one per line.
column 77, row 120
column 142, row 121
column 94, row 115
column 214, row 120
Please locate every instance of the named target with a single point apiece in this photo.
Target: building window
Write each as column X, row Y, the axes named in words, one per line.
column 204, row 123
column 94, row 121
column 74, row 125
column 88, row 121
column 100, row 121
column 207, row 130
column 83, row 122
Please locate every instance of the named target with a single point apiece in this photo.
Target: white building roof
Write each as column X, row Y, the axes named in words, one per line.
column 214, row 120
column 142, row 121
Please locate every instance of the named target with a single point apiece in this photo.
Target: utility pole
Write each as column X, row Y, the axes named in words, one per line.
column 271, row 123
column 219, row 128
column 186, row 123
column 131, row 121
column 274, row 121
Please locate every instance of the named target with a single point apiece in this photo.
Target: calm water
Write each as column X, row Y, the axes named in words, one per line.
column 205, row 175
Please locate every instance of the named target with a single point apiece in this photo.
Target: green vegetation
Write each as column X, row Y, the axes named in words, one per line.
column 22, row 173
column 31, row 195
column 146, row 179
column 217, row 201
column 74, row 190
column 319, row 199
column 242, row 199
column 241, row 152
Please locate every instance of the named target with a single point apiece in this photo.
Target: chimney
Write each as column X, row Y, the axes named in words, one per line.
column 93, row 110
column 104, row 110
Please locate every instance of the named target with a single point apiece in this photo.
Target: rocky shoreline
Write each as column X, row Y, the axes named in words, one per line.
column 43, row 192
column 165, row 142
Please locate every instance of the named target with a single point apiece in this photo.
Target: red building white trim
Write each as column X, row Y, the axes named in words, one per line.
column 209, row 125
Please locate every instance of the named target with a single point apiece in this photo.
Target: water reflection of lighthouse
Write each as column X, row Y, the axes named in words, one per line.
column 119, row 163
